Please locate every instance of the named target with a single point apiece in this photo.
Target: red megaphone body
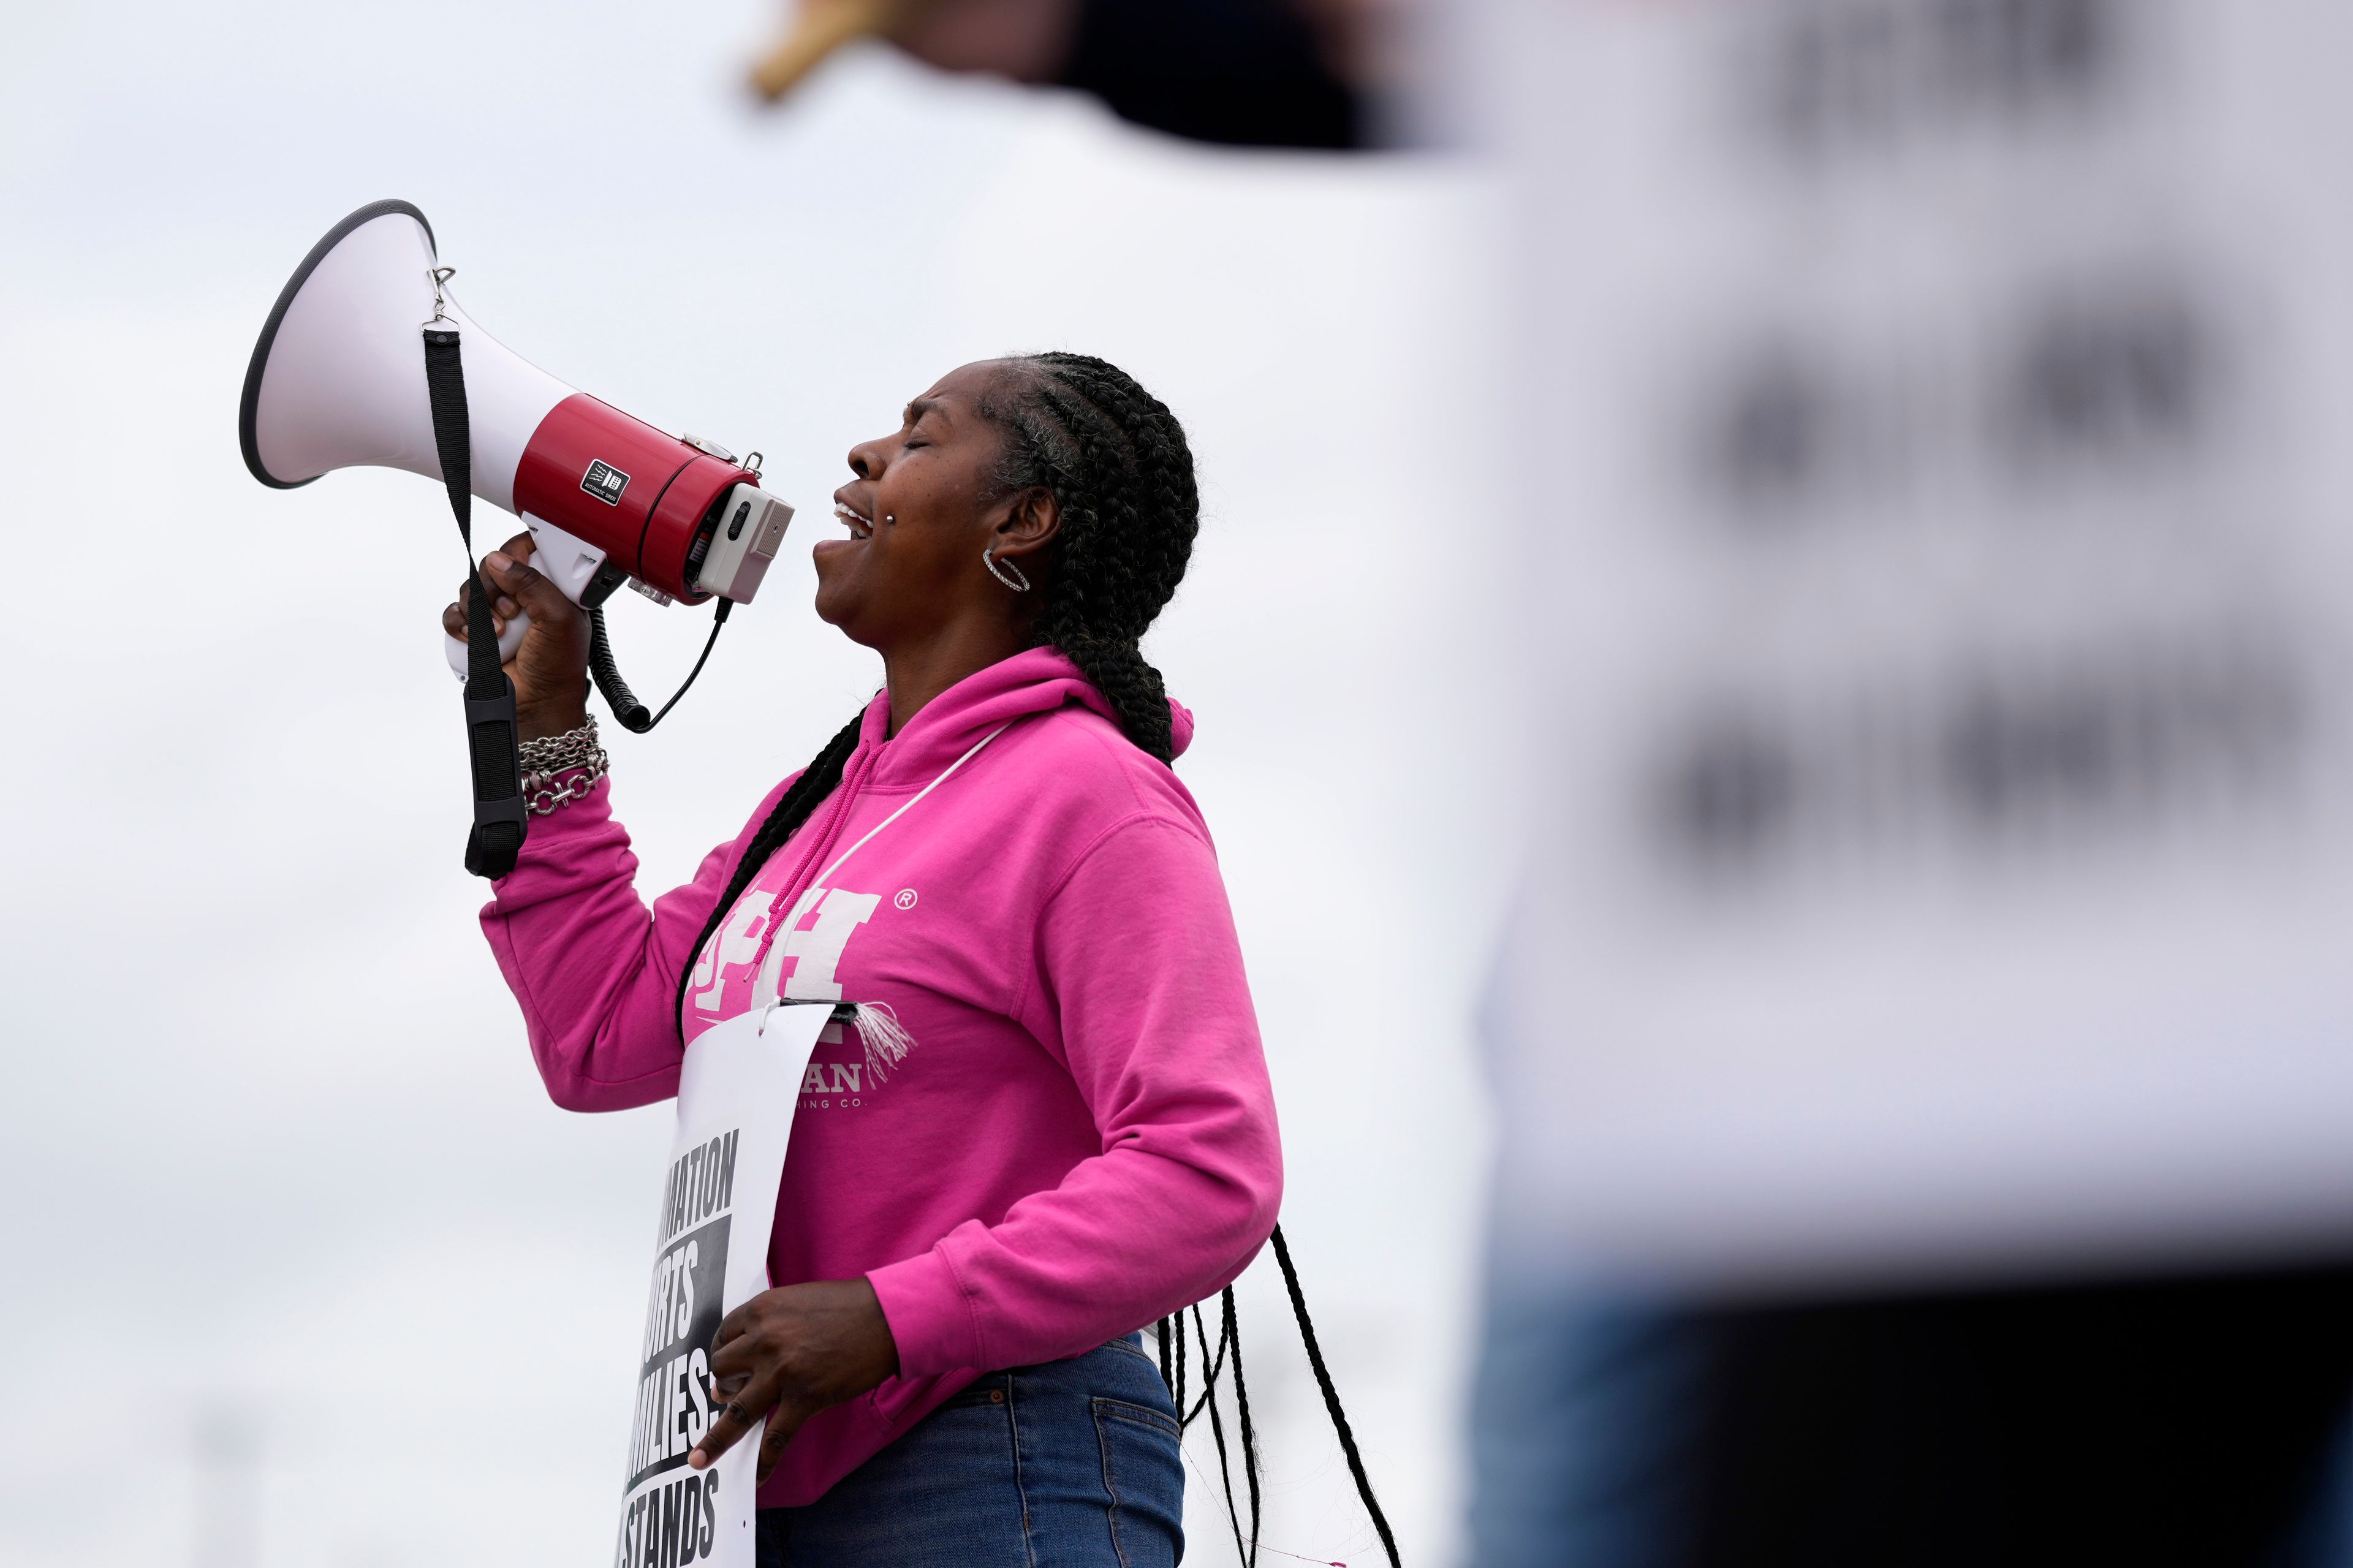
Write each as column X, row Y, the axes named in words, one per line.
column 338, row 380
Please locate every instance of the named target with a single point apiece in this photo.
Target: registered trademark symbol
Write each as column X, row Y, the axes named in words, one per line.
column 906, row 898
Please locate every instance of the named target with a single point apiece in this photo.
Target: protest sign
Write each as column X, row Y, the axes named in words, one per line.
column 737, row 1095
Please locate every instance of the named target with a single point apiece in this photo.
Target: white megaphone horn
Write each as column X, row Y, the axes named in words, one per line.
column 338, row 380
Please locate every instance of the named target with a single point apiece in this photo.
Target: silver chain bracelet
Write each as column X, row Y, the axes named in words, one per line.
column 573, row 749
column 560, row 769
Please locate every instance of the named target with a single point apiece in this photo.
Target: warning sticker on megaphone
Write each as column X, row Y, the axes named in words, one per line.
column 605, row 482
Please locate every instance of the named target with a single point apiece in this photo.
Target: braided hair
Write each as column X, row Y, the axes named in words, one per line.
column 1119, row 469
column 1117, row 465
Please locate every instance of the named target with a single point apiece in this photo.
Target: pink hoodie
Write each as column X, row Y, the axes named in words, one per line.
column 1081, row 1138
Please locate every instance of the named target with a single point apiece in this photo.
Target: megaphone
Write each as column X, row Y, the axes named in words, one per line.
column 338, row 380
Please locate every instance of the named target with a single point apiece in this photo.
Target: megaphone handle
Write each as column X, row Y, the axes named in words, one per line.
column 509, row 640
column 630, row 713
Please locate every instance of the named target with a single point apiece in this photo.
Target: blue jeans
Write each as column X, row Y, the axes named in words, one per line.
column 1069, row 1464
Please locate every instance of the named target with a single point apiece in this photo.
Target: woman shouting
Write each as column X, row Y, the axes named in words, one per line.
column 1069, row 1134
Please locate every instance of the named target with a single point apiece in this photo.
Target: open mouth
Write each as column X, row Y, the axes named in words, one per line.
column 860, row 527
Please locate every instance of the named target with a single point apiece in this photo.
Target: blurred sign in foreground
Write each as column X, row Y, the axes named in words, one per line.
column 1940, row 491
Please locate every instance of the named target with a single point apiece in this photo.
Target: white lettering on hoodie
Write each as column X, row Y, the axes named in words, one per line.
column 816, row 952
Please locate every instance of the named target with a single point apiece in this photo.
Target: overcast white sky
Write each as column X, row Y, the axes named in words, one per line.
column 272, row 1144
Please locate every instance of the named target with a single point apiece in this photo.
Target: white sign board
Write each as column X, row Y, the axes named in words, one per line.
column 1938, row 526
column 737, row 1095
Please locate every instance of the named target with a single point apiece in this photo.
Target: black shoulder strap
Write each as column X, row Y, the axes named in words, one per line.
column 492, row 741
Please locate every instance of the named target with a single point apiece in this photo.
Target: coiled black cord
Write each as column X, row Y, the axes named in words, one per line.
column 627, row 711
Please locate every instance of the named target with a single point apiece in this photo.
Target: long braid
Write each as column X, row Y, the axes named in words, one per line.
column 819, row 779
column 1119, row 468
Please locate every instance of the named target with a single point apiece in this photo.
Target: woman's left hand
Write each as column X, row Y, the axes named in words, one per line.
column 789, row 1354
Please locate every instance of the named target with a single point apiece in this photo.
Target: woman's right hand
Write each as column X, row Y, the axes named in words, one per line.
column 550, row 668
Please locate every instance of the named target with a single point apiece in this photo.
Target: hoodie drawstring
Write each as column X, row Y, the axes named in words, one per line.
column 826, row 830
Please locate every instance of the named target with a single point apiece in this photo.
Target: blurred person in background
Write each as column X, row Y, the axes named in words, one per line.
column 2193, row 1421
column 1080, row 1137
column 1924, row 1049
column 1264, row 73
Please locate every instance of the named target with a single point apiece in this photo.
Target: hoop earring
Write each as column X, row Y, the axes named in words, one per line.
column 998, row 569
